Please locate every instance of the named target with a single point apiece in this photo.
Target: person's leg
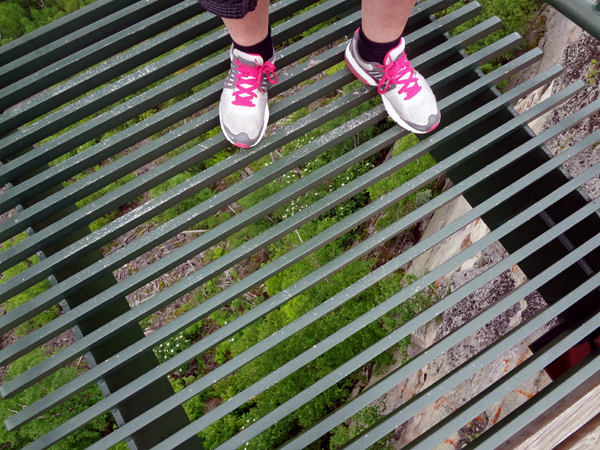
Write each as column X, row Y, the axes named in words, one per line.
column 252, row 28
column 384, row 20
column 243, row 109
column 376, row 56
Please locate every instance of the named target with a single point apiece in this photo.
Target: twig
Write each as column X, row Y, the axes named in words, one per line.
column 194, row 231
column 250, row 299
column 173, row 243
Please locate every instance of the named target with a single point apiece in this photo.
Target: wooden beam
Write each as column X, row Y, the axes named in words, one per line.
column 568, row 416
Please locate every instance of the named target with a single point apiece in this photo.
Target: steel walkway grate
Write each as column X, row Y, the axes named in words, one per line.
column 532, row 206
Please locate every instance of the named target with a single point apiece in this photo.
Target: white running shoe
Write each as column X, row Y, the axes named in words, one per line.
column 407, row 97
column 243, row 109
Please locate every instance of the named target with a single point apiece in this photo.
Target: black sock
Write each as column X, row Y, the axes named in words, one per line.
column 264, row 48
column 374, row 51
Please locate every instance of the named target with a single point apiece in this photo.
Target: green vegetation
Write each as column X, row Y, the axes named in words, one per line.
column 18, row 17
column 593, row 71
column 50, row 420
column 516, row 15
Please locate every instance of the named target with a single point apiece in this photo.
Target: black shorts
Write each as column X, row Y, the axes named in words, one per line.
column 229, row 9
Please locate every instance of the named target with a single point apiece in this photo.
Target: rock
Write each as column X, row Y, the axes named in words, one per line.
column 553, row 33
column 455, row 317
column 578, row 61
column 416, row 425
column 558, row 34
column 451, row 246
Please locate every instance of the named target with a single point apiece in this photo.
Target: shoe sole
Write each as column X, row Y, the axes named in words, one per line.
column 363, row 76
column 239, row 144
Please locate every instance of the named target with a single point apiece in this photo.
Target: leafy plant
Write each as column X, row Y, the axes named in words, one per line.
column 593, row 71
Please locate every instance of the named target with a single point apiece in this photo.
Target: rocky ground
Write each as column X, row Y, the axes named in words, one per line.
column 563, row 42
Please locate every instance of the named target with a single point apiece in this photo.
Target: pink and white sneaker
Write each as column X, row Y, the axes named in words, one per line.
column 407, row 97
column 243, row 109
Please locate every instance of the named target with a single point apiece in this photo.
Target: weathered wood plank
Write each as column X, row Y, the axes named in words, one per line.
column 561, row 422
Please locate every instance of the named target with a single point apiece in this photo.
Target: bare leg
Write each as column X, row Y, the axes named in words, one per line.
column 384, row 20
column 251, row 29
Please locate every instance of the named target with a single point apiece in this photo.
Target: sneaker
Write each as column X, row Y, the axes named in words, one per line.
column 407, row 97
column 243, row 109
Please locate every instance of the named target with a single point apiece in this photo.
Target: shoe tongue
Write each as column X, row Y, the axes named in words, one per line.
column 395, row 53
column 248, row 59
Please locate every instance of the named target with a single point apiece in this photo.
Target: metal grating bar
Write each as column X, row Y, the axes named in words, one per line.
column 434, row 49
column 60, row 28
column 114, row 92
column 57, row 50
column 107, row 148
column 232, row 403
column 194, row 184
column 253, row 214
column 19, row 81
column 585, row 13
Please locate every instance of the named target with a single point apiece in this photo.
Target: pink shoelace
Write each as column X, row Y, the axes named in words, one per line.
column 394, row 72
column 251, row 76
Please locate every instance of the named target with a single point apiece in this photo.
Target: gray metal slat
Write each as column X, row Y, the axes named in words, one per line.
column 17, row 86
column 107, row 95
column 157, row 122
column 585, row 13
column 47, row 179
column 148, row 181
column 54, row 51
column 174, row 166
column 483, row 83
column 249, row 282
column 258, row 210
column 463, row 40
column 60, row 28
column 507, row 384
column 444, row 24
column 24, row 311
column 406, row 370
column 377, row 240
column 167, row 90
column 235, row 224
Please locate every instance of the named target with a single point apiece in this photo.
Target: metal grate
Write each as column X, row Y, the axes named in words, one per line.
column 538, row 213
